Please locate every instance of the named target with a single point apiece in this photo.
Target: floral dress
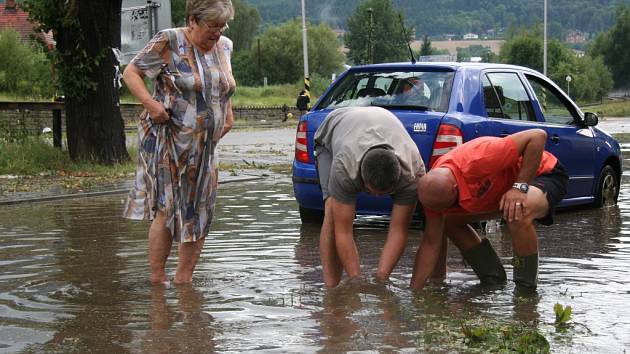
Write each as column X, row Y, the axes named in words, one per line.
column 177, row 162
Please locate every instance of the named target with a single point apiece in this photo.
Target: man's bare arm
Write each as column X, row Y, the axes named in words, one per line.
column 343, row 218
column 530, row 144
column 396, row 239
column 429, row 251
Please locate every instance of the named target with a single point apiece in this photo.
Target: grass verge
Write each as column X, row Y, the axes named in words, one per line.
column 622, row 138
column 245, row 96
column 35, row 156
column 35, row 166
column 610, row 109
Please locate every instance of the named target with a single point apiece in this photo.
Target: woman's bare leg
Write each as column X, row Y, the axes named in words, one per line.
column 189, row 253
column 160, row 241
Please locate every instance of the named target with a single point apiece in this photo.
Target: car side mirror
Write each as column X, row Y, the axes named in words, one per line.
column 590, row 119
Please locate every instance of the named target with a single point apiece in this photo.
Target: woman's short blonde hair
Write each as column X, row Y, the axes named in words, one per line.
column 215, row 11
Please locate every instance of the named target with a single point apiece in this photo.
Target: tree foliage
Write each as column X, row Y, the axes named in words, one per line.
column 483, row 52
column 591, row 78
column 425, row 48
column 614, row 47
column 244, row 27
column 24, row 70
column 73, row 65
column 87, row 33
column 458, row 16
column 178, row 13
column 280, row 55
column 375, row 33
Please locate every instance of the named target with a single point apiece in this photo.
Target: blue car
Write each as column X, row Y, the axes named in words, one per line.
column 443, row 105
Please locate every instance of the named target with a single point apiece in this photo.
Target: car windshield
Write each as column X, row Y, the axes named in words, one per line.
column 423, row 90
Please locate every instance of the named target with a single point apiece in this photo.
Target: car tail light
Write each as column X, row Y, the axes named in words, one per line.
column 301, row 150
column 448, row 138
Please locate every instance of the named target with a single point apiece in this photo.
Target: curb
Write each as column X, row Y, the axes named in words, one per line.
column 101, row 193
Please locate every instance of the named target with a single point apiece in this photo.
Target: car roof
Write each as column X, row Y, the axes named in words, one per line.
column 449, row 66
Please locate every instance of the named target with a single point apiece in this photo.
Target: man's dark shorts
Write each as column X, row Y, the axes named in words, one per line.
column 554, row 185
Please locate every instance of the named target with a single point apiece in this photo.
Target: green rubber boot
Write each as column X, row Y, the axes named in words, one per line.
column 526, row 271
column 486, row 263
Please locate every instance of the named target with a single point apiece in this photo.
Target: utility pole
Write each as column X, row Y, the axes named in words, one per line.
column 258, row 61
column 545, row 39
column 307, row 80
column 370, row 49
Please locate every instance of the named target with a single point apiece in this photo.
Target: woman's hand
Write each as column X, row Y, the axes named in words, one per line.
column 157, row 112
column 134, row 78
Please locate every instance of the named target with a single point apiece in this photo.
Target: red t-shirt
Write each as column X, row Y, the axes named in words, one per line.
column 485, row 168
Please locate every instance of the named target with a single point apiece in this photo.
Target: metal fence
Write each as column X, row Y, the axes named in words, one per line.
column 22, row 119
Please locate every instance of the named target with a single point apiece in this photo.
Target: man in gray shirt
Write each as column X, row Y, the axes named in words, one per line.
column 364, row 149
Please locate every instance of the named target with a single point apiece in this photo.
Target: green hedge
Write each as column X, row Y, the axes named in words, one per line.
column 25, row 71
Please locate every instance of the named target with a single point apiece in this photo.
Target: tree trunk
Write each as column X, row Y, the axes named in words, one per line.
column 94, row 125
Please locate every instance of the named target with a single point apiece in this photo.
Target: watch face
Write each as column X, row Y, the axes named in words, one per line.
column 522, row 187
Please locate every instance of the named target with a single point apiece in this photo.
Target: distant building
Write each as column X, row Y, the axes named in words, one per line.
column 471, row 36
column 575, row 37
column 438, row 58
column 11, row 16
column 578, row 53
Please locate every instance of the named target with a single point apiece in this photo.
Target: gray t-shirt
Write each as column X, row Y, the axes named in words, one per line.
column 348, row 133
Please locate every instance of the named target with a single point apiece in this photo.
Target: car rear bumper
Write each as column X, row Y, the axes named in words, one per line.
column 306, row 186
column 309, row 194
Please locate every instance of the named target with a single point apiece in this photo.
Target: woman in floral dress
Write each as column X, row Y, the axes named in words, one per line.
column 189, row 111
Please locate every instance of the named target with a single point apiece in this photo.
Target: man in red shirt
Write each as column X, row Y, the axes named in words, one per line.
column 486, row 178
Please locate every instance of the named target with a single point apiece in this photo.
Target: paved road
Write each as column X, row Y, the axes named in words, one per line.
column 244, row 137
column 269, row 146
column 615, row 125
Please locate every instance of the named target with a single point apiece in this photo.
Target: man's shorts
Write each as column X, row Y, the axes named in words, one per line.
column 323, row 158
column 554, row 185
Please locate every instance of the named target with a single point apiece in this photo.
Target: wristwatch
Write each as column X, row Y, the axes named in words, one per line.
column 522, row 187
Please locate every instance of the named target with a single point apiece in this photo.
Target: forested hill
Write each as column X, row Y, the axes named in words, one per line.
column 435, row 17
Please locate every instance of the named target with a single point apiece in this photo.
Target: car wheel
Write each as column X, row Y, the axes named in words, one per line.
column 607, row 188
column 311, row 216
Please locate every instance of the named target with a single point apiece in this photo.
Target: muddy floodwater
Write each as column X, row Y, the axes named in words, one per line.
column 74, row 280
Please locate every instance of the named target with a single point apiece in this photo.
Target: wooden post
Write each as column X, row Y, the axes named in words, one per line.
column 57, row 124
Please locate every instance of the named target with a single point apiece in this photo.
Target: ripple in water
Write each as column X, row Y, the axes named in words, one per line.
column 74, row 279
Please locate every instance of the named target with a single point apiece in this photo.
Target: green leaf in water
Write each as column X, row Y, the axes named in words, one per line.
column 563, row 314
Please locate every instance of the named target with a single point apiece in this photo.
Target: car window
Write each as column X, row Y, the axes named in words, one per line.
column 373, row 86
column 400, row 89
column 505, row 97
column 492, row 101
column 553, row 107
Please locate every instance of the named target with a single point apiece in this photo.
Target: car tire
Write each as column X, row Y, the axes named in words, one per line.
column 607, row 188
column 311, row 216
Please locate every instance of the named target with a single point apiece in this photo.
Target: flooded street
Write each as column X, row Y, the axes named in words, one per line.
column 74, row 280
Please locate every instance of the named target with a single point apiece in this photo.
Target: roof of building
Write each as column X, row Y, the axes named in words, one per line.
column 16, row 18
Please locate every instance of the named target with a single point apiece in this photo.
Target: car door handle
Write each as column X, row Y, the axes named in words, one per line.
column 503, row 135
column 555, row 139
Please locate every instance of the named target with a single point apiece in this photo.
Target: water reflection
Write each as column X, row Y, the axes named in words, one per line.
column 362, row 315
column 180, row 328
column 74, row 279
column 87, row 256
